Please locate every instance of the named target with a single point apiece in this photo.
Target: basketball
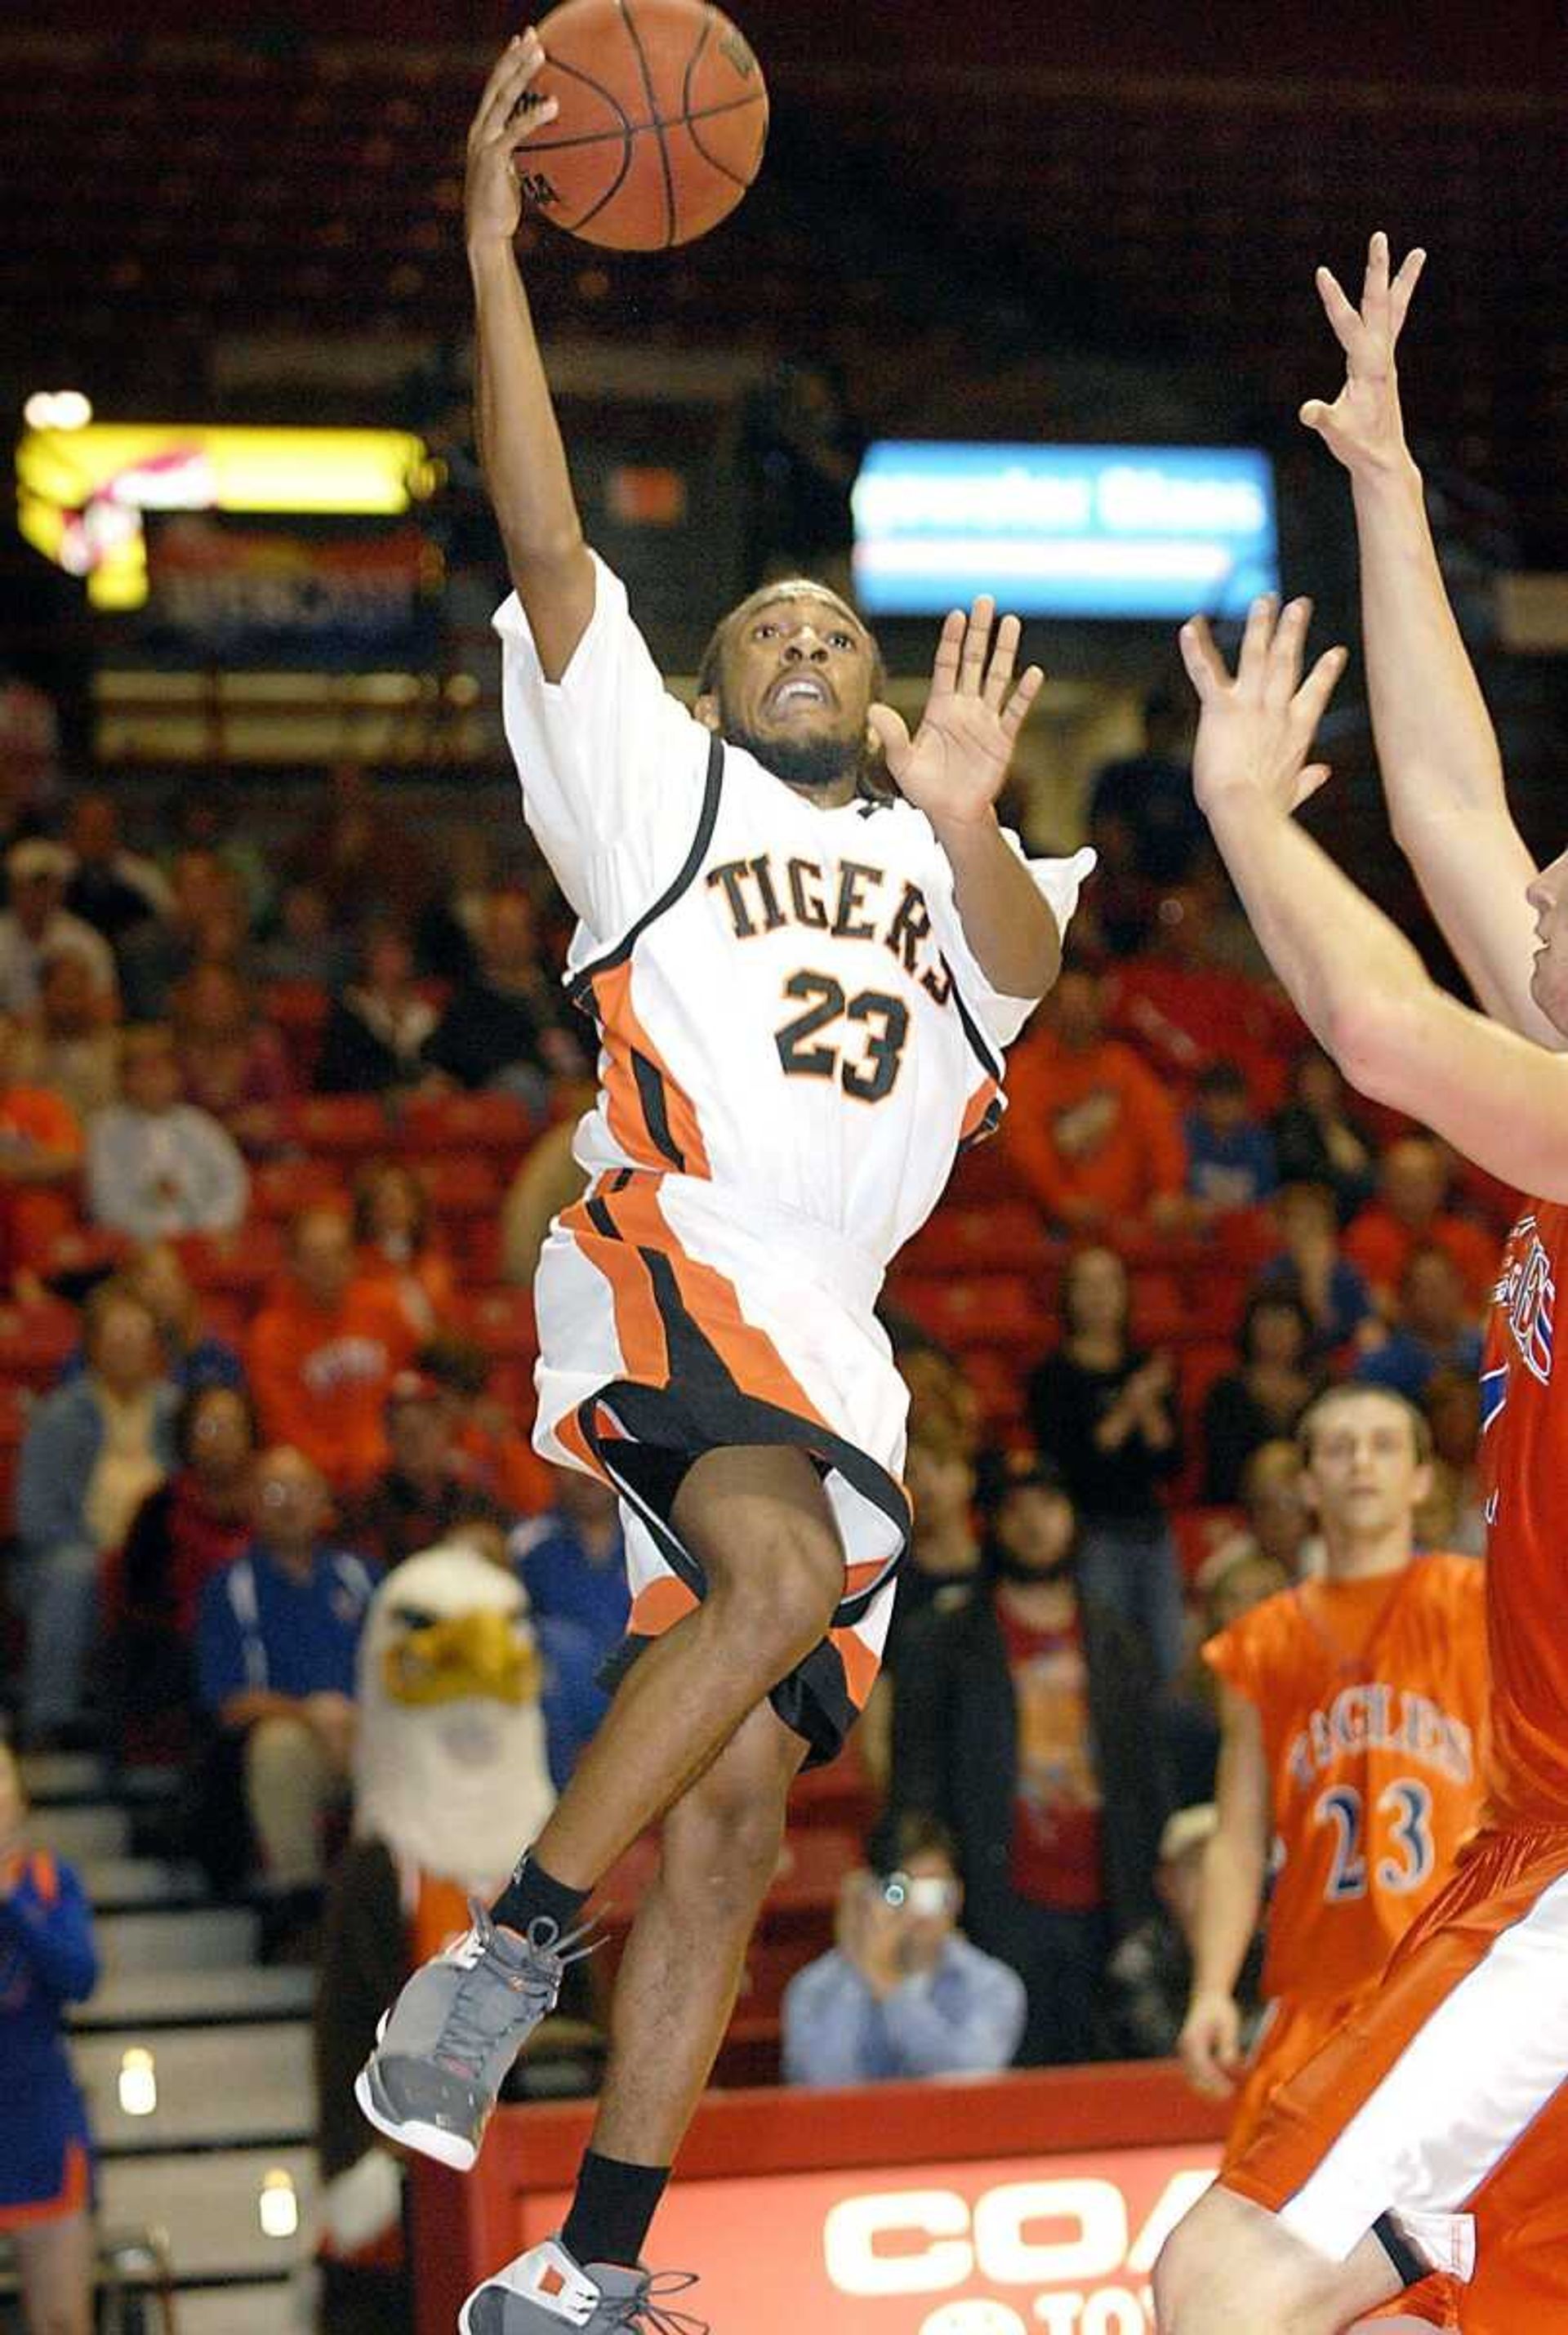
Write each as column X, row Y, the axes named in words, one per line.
column 664, row 115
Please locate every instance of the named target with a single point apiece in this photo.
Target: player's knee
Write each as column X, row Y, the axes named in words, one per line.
column 1213, row 2275
column 781, row 1601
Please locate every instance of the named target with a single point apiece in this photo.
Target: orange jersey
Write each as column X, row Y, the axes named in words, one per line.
column 1525, row 1475
column 1372, row 1696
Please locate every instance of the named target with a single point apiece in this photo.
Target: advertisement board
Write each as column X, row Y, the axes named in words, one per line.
column 339, row 595
column 1070, row 531
column 1006, row 2246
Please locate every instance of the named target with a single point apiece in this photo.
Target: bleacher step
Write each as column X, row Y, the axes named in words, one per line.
column 238, row 2310
column 79, row 1834
column 213, row 1937
column 209, row 2206
column 158, row 1998
column 128, row 1883
column 234, row 2087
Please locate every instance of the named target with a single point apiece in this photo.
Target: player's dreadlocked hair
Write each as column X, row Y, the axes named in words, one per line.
column 873, row 780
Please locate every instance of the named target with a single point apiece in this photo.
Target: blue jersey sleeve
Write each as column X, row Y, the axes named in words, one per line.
column 46, row 1915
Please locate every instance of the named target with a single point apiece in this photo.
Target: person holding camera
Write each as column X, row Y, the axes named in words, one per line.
column 903, row 1993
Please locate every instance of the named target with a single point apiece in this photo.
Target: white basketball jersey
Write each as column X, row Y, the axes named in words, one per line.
column 787, row 1003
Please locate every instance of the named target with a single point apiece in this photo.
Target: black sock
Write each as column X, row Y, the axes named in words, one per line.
column 532, row 1894
column 613, row 2211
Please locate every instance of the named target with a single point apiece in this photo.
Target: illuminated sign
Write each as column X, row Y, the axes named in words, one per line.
column 81, row 493
column 1130, row 531
column 1008, row 2247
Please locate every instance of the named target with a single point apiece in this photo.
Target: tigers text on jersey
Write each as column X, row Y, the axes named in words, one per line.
column 787, row 1003
column 1372, row 1696
column 1524, row 1477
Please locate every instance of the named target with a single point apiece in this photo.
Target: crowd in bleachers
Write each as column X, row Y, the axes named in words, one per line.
column 279, row 1133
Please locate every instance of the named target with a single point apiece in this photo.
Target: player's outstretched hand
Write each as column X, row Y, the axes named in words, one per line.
column 506, row 117
column 1363, row 427
column 953, row 766
column 1211, row 2045
column 1256, row 727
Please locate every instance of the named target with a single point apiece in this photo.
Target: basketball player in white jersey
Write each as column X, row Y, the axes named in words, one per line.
column 803, row 989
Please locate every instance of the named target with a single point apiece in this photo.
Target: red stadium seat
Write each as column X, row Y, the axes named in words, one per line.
column 34, row 1340
column 280, row 1188
column 502, row 1322
column 457, row 1123
column 1199, row 1532
column 1000, row 1380
column 348, row 1127
column 298, row 1011
column 241, row 1265
column 1159, row 1312
column 993, row 1309
column 459, row 1183
column 1003, row 1236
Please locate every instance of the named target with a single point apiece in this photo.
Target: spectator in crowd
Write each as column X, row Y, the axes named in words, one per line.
column 1106, row 1414
column 1230, row 1158
column 1144, row 821
column 193, row 1355
column 1434, row 1329
column 1312, row 1268
column 1025, row 1722
column 944, row 1552
column 109, row 888
column 398, row 1245
column 549, row 1180
column 48, row 1959
column 1275, row 1545
column 942, row 1402
column 1091, row 1131
column 203, row 924
column 380, row 1025
column 158, row 1167
column 1319, row 1141
column 277, row 1634
column 1262, row 1398
column 41, row 1148
column 185, row 1531
column 304, row 944
column 37, row 925
column 72, row 1044
column 1149, row 1979
column 1409, row 1213
column 503, row 1459
column 231, row 1063
column 361, row 853
column 1454, row 1514
column 324, row 1350
column 801, row 453
column 903, row 1993
column 427, row 1489
column 93, row 1450
column 208, row 819
column 506, row 1027
column 572, row 1560
column 1277, row 1527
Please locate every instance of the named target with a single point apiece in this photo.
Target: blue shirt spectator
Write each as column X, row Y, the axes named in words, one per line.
column 570, row 1696
column 47, row 1959
column 1230, row 1157
column 903, row 1993
column 270, row 1627
column 572, row 1560
column 1434, row 1331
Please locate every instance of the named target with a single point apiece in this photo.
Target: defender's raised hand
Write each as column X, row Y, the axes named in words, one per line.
column 1363, row 427
column 953, row 766
column 1256, row 727
column 507, row 116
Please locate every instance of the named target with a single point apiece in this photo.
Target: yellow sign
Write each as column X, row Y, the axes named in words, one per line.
column 81, row 493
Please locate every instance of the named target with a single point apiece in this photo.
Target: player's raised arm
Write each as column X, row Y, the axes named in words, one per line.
column 1437, row 747
column 1235, row 1867
column 1356, row 980
column 520, row 447
column 953, row 770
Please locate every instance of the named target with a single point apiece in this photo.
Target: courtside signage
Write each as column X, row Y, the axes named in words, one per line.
column 1014, row 2246
column 1084, row 531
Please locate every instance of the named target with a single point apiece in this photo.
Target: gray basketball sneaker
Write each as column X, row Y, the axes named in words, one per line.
column 545, row 2290
column 443, row 2049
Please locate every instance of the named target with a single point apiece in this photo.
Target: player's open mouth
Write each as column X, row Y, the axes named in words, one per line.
column 797, row 690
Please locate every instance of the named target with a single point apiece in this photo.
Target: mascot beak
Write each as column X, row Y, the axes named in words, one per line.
column 470, row 1654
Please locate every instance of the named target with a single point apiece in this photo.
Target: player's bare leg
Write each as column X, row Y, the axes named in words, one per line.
column 1231, row 2265
column 677, row 1984
column 759, row 1523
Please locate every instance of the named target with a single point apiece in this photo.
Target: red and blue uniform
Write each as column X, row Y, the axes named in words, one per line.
column 47, row 1960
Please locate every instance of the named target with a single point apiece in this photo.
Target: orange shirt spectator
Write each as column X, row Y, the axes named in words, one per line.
column 391, row 1222
column 41, row 1148
column 1409, row 1214
column 323, row 1353
column 1089, row 1127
